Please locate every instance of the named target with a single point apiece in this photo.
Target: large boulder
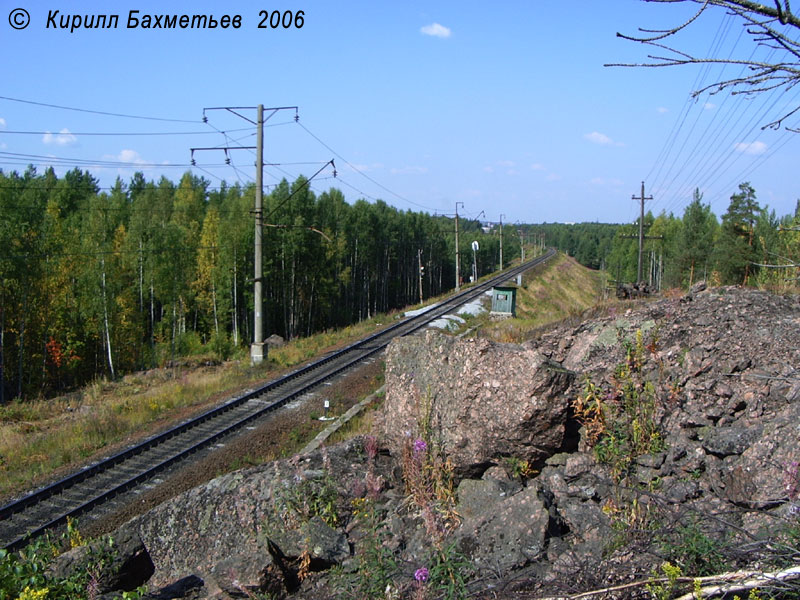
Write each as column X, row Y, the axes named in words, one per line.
column 247, row 529
column 507, row 532
column 483, row 401
column 124, row 561
column 766, row 473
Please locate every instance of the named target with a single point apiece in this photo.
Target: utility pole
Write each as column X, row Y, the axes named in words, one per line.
column 458, row 254
column 421, row 272
column 642, row 198
column 475, row 248
column 257, row 350
column 521, row 247
column 501, row 241
column 257, row 353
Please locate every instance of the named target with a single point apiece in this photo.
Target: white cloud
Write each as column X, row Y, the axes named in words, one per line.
column 602, row 181
column 599, row 138
column 537, row 167
column 130, row 156
column 436, row 30
column 62, row 138
column 709, row 106
column 553, row 177
column 662, row 110
column 753, row 148
column 506, row 166
column 2, row 123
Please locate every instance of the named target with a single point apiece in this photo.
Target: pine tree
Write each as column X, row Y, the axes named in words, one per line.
column 735, row 249
column 697, row 240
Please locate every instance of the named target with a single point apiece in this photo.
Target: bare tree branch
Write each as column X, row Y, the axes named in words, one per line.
column 789, row 264
column 775, row 266
column 748, row 581
column 724, row 583
column 775, row 28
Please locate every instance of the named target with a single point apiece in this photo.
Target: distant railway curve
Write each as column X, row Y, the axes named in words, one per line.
column 50, row 507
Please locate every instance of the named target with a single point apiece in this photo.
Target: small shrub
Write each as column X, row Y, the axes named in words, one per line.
column 664, row 590
column 449, row 572
column 221, row 345
column 620, row 422
column 23, row 574
column 518, row 468
column 303, row 498
column 73, row 535
column 376, row 564
column 428, row 478
column 696, row 553
column 188, row 343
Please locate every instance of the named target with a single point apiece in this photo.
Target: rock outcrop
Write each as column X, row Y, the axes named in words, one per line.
column 483, row 401
column 586, row 458
column 247, row 530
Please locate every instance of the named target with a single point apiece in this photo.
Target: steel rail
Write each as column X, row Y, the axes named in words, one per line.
column 361, row 349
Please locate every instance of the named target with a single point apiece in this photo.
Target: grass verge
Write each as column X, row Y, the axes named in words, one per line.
column 41, row 440
column 557, row 290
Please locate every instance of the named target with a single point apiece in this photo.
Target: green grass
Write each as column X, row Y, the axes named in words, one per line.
column 557, row 290
column 39, row 437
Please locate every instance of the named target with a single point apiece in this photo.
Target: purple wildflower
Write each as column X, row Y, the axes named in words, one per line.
column 374, row 485
column 420, row 447
column 371, row 446
column 791, row 479
column 421, row 574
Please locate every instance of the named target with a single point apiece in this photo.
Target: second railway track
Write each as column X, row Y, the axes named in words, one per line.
column 79, row 493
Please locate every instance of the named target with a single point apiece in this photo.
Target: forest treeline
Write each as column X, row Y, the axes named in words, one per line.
column 679, row 250
column 98, row 283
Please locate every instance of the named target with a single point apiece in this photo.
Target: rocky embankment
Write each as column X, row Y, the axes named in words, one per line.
column 586, row 459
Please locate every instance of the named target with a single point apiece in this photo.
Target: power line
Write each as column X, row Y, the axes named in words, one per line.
column 727, row 160
column 360, row 172
column 338, row 176
column 720, row 153
column 753, row 166
column 699, row 83
column 363, row 194
column 20, row 158
column 666, row 149
column 296, row 190
column 705, row 158
column 97, row 112
column 117, row 133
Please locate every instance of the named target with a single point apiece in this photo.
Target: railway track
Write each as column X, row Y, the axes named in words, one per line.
column 50, row 507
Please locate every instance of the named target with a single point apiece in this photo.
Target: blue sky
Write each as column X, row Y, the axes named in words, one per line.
column 504, row 106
